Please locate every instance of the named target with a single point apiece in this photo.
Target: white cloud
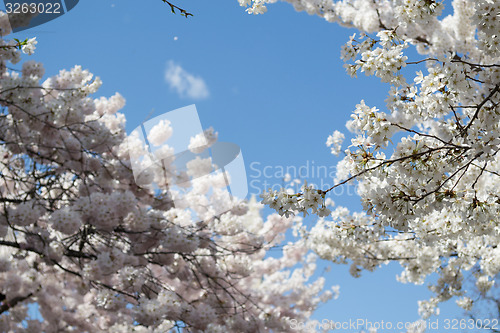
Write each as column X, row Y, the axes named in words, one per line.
column 184, row 83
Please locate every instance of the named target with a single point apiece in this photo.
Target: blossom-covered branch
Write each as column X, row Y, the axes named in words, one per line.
column 426, row 168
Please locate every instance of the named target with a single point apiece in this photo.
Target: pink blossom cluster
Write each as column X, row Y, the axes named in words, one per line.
column 99, row 252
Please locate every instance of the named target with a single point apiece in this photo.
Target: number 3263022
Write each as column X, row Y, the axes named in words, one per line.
column 456, row 324
column 33, row 8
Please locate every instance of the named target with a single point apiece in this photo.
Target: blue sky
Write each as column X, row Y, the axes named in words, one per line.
column 274, row 84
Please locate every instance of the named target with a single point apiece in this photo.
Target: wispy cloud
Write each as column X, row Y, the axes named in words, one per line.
column 185, row 84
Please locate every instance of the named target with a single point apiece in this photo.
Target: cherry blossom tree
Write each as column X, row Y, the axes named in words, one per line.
column 97, row 252
column 426, row 166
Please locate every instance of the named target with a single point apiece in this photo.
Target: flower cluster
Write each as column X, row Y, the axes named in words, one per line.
column 486, row 19
column 287, row 204
column 384, row 62
column 335, row 142
column 29, row 46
